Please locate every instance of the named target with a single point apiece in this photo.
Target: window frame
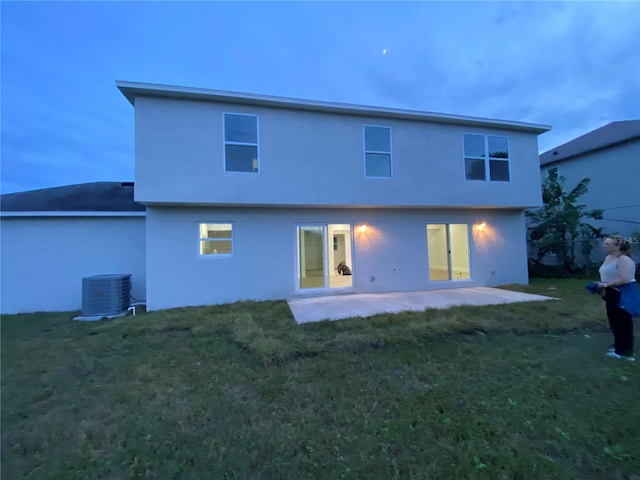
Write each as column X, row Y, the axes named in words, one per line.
column 486, row 158
column 213, row 240
column 470, row 252
column 245, row 144
column 548, row 170
column 379, row 152
column 326, row 254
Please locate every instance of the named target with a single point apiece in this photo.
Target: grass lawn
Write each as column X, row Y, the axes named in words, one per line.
column 238, row 391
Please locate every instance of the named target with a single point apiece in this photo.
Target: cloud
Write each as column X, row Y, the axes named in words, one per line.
column 573, row 65
column 531, row 55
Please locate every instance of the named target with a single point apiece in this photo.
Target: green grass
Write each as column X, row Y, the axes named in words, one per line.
column 238, row 391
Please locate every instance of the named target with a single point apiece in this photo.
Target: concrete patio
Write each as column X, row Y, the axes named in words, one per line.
column 337, row 307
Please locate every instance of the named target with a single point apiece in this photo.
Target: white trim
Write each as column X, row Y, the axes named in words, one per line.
column 246, row 144
column 326, row 245
column 470, row 250
column 133, row 89
column 552, row 168
column 365, row 151
column 73, row 214
column 465, row 156
column 485, row 158
column 508, row 159
column 296, row 263
column 213, row 255
column 297, row 278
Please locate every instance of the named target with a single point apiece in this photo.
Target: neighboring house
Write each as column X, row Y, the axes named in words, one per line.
column 610, row 157
column 51, row 238
column 259, row 197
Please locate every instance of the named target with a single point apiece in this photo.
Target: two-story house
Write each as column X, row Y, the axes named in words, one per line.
column 261, row 197
column 610, row 157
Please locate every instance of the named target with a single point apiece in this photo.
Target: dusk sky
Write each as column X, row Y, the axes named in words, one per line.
column 572, row 65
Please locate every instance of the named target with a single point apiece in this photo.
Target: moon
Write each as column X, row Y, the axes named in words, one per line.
column 384, row 51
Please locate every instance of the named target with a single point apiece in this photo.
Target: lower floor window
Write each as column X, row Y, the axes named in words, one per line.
column 216, row 239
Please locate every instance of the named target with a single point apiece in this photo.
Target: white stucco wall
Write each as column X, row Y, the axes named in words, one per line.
column 43, row 259
column 311, row 158
column 263, row 264
column 614, row 186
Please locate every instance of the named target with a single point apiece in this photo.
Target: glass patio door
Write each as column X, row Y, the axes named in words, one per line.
column 448, row 251
column 311, row 255
column 323, row 253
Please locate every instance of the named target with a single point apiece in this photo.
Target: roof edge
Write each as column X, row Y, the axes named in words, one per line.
column 606, row 136
column 133, row 89
column 199, row 205
column 15, row 214
column 546, row 162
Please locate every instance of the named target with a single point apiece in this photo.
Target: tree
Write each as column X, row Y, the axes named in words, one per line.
column 559, row 224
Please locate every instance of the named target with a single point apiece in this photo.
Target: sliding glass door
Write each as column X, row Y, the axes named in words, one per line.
column 448, row 251
column 311, row 254
column 324, row 256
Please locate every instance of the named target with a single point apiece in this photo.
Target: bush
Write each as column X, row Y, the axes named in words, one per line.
column 539, row 270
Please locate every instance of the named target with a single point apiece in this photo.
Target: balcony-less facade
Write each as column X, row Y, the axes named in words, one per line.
column 255, row 197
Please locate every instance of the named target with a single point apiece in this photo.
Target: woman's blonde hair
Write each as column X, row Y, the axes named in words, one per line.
column 623, row 243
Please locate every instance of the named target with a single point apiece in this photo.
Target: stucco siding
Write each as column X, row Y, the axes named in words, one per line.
column 43, row 260
column 316, row 159
column 390, row 256
column 614, row 186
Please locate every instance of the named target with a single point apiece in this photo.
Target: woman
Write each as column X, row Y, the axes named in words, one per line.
column 617, row 277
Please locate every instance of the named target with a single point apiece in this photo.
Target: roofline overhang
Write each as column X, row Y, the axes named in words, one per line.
column 182, row 205
column 71, row 214
column 547, row 162
column 131, row 90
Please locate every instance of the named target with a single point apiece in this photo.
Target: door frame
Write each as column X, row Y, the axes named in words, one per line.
column 449, row 254
column 326, row 244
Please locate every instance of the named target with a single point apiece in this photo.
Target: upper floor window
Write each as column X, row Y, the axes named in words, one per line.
column 241, row 143
column 216, row 239
column 486, row 157
column 552, row 171
column 377, row 151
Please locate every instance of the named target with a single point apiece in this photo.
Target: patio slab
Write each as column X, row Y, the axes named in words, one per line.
column 337, row 307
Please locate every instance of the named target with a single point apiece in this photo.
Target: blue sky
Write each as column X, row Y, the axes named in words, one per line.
column 572, row 65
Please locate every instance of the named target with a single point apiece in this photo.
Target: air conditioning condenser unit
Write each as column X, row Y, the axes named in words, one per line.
column 104, row 295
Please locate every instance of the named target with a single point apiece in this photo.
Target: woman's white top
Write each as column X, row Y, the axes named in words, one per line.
column 609, row 272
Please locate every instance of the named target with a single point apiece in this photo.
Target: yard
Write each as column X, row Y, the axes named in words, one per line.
column 238, row 391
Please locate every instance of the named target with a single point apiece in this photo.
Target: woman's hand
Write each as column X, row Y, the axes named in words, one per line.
column 601, row 285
